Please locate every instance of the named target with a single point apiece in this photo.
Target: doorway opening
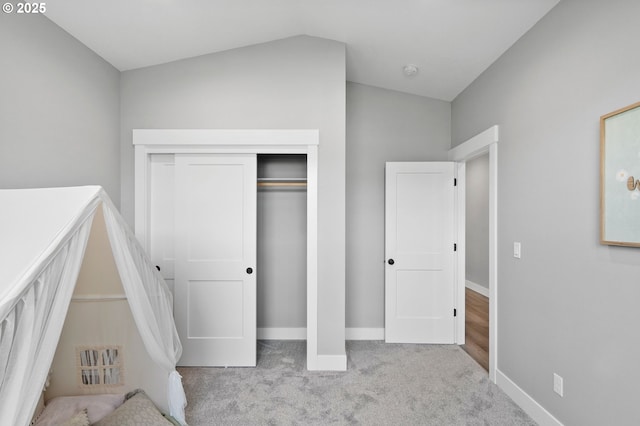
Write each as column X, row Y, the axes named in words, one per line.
column 485, row 142
column 477, row 260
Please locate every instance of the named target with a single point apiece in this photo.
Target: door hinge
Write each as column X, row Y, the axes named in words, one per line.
column 455, row 182
column 455, row 312
column 455, row 247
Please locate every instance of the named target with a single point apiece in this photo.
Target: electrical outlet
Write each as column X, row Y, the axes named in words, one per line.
column 517, row 251
column 558, row 384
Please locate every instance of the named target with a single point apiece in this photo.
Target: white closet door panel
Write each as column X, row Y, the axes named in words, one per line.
column 203, row 322
column 419, row 238
column 161, row 214
column 215, row 243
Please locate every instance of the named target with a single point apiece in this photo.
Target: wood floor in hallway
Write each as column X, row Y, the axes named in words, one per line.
column 477, row 327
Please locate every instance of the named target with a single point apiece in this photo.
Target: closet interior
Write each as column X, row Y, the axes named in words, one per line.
column 281, row 241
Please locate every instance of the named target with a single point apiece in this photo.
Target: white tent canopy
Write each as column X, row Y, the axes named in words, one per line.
column 43, row 236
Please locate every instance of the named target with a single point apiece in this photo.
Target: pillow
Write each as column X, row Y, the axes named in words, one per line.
column 62, row 408
column 137, row 410
column 80, row 419
column 171, row 419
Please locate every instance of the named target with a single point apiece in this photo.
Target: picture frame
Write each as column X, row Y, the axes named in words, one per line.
column 620, row 177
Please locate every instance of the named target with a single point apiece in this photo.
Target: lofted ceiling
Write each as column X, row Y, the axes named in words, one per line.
column 451, row 41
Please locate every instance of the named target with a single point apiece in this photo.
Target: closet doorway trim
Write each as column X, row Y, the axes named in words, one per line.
column 236, row 141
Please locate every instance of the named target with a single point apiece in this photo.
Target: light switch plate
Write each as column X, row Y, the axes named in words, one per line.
column 517, row 250
column 558, row 384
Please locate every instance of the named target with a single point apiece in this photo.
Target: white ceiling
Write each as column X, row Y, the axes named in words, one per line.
column 451, row 41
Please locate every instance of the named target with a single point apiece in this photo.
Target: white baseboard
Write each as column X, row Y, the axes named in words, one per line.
column 528, row 404
column 358, row 333
column 282, row 333
column 332, row 362
column 355, row 333
column 477, row 288
column 321, row 363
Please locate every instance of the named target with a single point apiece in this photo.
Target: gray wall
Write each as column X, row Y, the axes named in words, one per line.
column 477, row 221
column 59, row 109
column 297, row 82
column 382, row 125
column 569, row 305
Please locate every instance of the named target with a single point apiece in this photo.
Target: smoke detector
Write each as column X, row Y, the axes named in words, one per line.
column 410, row 70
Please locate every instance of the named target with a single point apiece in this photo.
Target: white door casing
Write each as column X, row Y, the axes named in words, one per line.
column 153, row 142
column 215, row 259
column 484, row 142
column 419, row 252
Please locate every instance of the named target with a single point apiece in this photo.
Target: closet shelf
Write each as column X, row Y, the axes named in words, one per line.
column 282, row 182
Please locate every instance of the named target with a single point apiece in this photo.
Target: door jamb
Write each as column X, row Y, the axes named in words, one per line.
column 485, row 142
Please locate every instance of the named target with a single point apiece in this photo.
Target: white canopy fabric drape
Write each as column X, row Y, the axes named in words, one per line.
column 43, row 236
column 32, row 320
column 151, row 304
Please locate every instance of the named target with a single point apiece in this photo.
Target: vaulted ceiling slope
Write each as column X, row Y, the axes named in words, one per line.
column 451, row 41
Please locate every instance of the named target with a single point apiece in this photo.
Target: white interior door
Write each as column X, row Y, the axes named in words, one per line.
column 215, row 258
column 419, row 251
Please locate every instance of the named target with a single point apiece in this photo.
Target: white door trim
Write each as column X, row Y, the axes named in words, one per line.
column 238, row 141
column 485, row 142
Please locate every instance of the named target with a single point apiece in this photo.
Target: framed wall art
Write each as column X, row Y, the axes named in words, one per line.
column 620, row 177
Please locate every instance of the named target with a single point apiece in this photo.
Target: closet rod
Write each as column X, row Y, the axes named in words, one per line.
column 282, row 182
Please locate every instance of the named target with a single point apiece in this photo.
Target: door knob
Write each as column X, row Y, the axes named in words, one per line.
column 391, row 261
column 249, row 271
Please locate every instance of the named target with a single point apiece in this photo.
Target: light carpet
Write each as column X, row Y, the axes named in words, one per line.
column 385, row 384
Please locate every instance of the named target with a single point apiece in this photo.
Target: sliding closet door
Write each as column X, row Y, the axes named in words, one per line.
column 215, row 258
column 161, row 214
